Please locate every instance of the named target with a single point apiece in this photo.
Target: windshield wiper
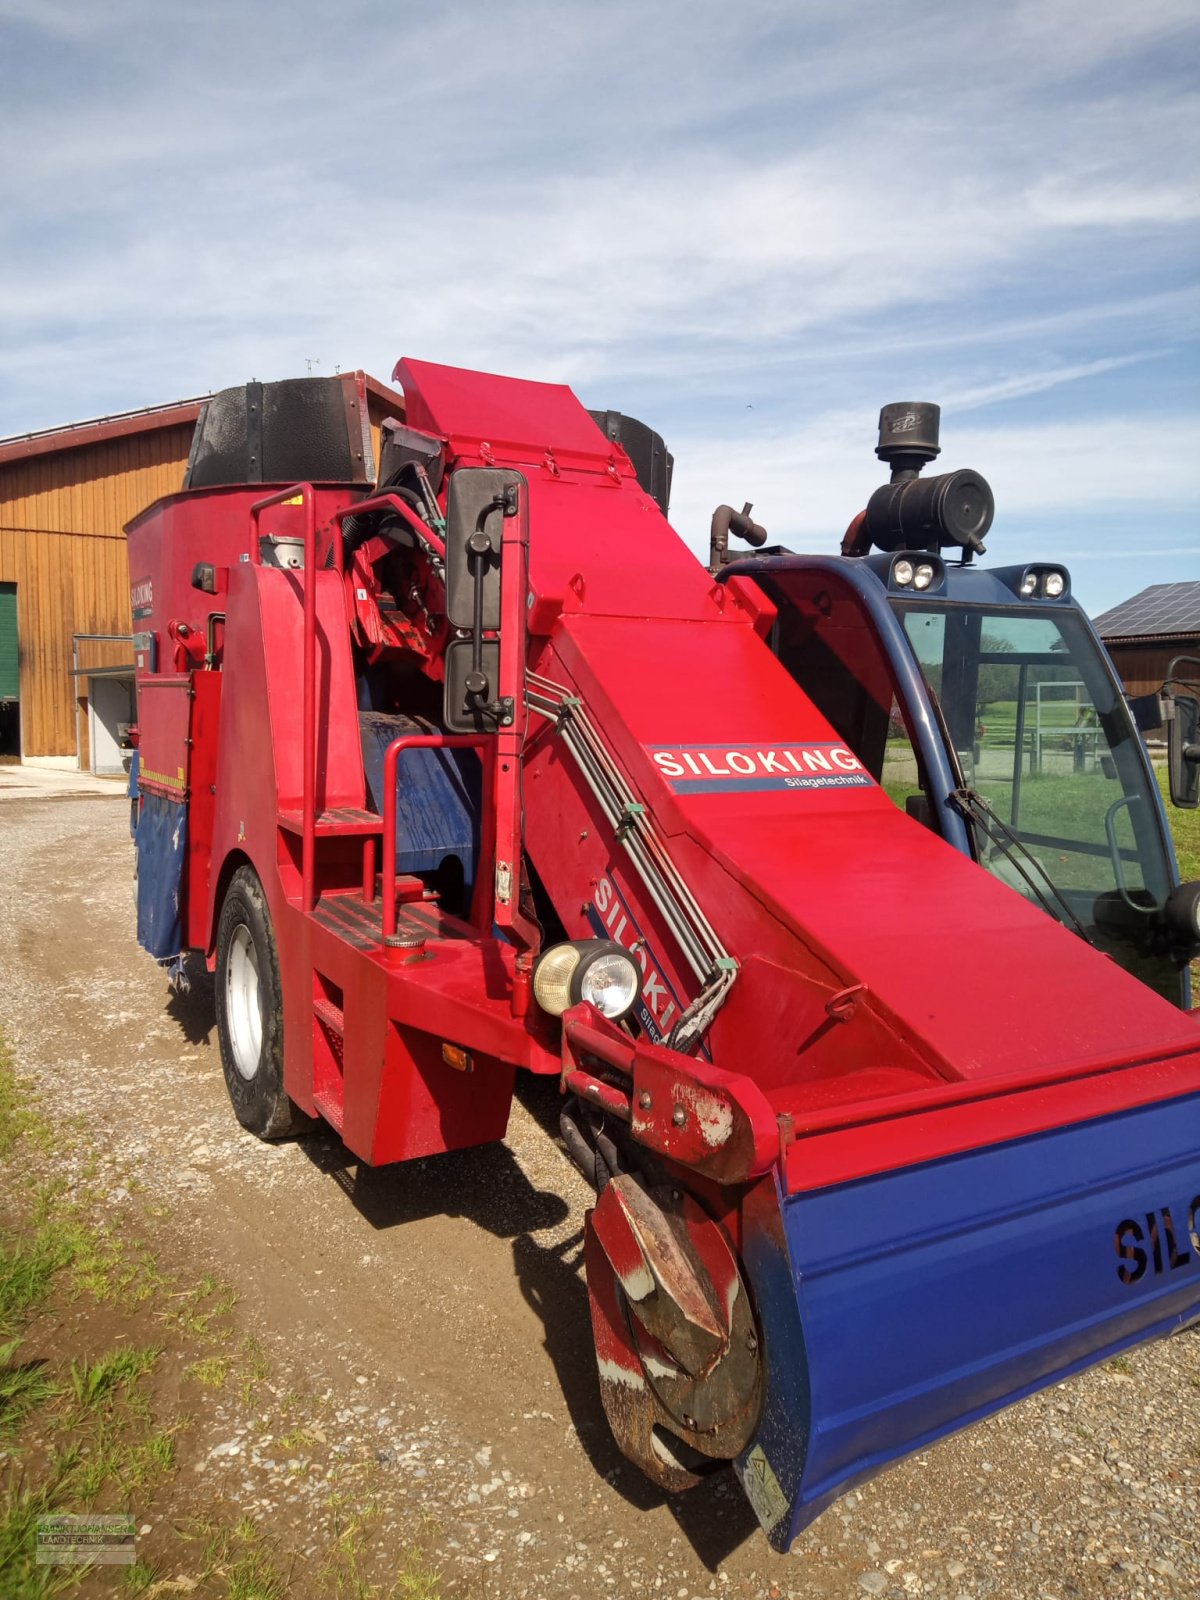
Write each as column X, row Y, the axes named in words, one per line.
column 971, row 804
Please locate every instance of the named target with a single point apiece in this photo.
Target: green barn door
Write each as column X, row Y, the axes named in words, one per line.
column 10, row 728
column 8, row 642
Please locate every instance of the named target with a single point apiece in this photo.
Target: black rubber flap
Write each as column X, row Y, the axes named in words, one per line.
column 652, row 461
column 300, row 430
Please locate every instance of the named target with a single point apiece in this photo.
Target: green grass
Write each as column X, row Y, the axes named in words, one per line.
column 24, row 1385
column 210, row 1372
column 196, row 1317
column 96, row 1383
column 342, row 1575
column 1185, row 829
column 26, row 1272
column 92, row 1419
column 20, row 1509
column 254, row 1368
column 18, row 1119
column 240, row 1558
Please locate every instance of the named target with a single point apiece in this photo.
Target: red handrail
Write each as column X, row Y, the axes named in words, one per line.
column 309, row 588
column 485, row 870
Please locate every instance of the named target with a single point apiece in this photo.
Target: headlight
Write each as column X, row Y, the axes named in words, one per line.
column 902, row 573
column 610, row 981
column 1054, row 585
column 597, row 971
column 552, row 978
column 923, row 576
column 1029, row 583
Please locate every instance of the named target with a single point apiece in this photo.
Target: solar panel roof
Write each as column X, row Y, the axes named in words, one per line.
column 1162, row 608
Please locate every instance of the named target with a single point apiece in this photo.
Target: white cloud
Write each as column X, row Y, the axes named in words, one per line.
column 693, row 208
column 807, row 485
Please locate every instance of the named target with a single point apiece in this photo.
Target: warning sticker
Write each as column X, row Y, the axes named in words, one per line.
column 738, row 768
column 762, row 1487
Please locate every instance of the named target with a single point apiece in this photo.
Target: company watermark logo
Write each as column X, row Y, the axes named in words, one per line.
column 78, row 1541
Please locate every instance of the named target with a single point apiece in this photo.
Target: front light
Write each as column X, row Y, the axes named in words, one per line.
column 610, row 981
column 552, row 978
column 1029, row 583
column 598, row 971
column 902, row 573
column 1055, row 585
column 923, row 576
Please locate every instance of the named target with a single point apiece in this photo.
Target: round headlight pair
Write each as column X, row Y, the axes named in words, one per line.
column 1050, row 585
column 905, row 575
column 598, row 971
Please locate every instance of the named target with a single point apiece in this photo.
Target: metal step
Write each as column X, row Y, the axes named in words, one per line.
column 361, row 924
column 329, row 1032
column 331, row 1015
column 345, row 821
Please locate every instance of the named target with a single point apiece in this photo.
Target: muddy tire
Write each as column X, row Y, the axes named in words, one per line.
column 250, row 1012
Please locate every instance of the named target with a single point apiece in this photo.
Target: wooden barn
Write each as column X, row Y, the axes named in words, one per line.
column 1145, row 633
column 66, row 655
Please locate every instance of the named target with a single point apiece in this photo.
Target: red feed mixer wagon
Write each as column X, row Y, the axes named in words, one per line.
column 871, row 1025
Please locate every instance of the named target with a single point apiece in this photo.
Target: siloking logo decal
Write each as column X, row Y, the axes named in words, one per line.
column 658, row 1006
column 741, row 768
column 141, row 598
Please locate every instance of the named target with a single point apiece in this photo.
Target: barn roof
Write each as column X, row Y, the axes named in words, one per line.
column 147, row 419
column 73, row 435
column 1164, row 610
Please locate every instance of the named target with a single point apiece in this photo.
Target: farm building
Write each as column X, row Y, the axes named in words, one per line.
column 1144, row 634
column 66, row 652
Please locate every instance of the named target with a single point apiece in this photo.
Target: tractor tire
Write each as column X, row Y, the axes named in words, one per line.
column 250, row 1012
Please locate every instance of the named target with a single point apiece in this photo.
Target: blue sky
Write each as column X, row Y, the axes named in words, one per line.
column 749, row 224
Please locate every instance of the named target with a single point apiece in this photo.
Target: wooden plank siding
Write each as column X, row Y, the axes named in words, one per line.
column 1142, row 667
column 62, row 542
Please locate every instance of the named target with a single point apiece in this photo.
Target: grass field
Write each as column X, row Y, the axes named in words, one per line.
column 1054, row 797
column 1185, row 828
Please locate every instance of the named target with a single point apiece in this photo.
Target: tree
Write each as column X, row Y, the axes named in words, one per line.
column 996, row 682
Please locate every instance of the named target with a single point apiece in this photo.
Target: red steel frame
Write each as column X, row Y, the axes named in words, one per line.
column 309, row 725
column 664, row 662
column 482, row 909
column 856, row 1041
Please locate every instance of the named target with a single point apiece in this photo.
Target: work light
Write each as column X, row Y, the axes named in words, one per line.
column 598, row 971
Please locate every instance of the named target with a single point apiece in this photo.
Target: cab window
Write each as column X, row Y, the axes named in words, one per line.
column 827, row 641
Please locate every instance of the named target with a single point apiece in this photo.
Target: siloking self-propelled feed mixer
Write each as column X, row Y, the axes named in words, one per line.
column 835, row 891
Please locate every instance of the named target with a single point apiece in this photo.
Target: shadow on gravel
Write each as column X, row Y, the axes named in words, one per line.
column 485, row 1185
column 194, row 1010
column 715, row 1517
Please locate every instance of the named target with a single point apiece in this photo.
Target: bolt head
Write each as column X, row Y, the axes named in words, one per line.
column 679, row 1117
column 644, row 1100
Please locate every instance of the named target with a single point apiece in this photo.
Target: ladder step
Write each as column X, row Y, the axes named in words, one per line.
column 332, row 1016
column 343, row 822
column 331, row 1108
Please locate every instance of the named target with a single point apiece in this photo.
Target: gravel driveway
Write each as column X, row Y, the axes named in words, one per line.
column 439, row 1313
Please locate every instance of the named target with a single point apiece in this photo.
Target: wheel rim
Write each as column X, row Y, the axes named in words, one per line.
column 243, row 1003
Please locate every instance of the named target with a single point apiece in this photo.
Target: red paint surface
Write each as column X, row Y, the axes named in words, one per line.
column 977, row 1016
